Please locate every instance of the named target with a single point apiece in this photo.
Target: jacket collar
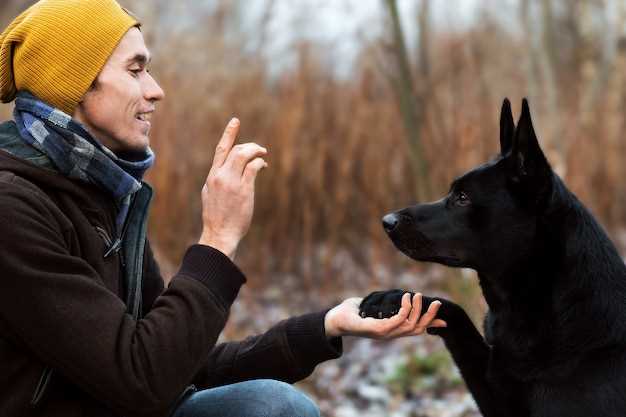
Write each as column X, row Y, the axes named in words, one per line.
column 29, row 163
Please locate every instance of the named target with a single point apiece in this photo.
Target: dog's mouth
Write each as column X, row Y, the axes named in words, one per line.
column 444, row 260
column 417, row 246
column 428, row 255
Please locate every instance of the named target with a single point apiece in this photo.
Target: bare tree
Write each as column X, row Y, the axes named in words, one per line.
column 598, row 70
column 531, row 50
column 411, row 103
column 549, row 64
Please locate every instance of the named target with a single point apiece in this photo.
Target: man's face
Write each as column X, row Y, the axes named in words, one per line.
column 117, row 111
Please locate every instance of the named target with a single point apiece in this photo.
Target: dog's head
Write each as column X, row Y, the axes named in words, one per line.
column 490, row 214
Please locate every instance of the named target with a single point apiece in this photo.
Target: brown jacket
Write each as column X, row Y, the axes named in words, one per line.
column 62, row 308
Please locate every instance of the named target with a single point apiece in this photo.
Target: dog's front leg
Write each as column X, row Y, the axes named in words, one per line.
column 471, row 354
column 468, row 348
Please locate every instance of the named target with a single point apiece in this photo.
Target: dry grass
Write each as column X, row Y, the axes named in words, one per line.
column 338, row 158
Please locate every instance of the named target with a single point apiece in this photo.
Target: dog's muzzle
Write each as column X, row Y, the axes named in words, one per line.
column 406, row 237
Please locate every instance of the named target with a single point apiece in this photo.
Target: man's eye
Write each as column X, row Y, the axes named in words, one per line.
column 136, row 71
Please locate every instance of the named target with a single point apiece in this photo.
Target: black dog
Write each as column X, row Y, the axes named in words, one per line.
column 555, row 333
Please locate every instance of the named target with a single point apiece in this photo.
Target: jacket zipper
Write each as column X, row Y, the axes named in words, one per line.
column 113, row 247
column 120, row 239
column 42, row 386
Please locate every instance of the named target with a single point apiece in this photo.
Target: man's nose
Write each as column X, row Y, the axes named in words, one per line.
column 390, row 221
column 154, row 92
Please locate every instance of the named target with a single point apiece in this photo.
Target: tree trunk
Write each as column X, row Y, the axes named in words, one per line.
column 411, row 105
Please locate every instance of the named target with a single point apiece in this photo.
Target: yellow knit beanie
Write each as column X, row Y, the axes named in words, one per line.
column 56, row 48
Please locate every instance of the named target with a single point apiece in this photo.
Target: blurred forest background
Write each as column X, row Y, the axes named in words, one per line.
column 368, row 106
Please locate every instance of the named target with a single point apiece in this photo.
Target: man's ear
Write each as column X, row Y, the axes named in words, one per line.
column 526, row 155
column 507, row 127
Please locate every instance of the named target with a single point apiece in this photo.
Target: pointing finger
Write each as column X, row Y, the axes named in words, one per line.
column 226, row 142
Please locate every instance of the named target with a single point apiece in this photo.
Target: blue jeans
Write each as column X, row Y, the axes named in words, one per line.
column 256, row 398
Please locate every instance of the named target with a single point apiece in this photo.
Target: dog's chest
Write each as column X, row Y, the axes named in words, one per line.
column 510, row 333
column 516, row 347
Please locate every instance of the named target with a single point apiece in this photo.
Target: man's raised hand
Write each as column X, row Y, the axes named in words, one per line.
column 228, row 192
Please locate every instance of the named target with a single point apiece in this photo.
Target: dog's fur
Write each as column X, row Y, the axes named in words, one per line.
column 555, row 333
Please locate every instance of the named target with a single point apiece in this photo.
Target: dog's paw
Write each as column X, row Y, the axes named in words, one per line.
column 384, row 304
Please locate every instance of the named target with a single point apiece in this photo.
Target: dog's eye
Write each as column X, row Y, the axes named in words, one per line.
column 462, row 199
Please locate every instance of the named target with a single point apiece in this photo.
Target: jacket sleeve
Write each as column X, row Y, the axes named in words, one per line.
column 288, row 352
column 56, row 306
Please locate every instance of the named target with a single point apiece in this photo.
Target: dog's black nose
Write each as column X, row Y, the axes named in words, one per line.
column 390, row 221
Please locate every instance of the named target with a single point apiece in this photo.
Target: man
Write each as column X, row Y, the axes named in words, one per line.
column 86, row 327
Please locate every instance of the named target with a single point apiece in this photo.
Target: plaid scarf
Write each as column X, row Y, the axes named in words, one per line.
column 76, row 153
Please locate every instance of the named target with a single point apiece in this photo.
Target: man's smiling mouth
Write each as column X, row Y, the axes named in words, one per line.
column 144, row 117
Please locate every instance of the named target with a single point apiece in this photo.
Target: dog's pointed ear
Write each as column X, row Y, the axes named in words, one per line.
column 507, row 127
column 526, row 154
